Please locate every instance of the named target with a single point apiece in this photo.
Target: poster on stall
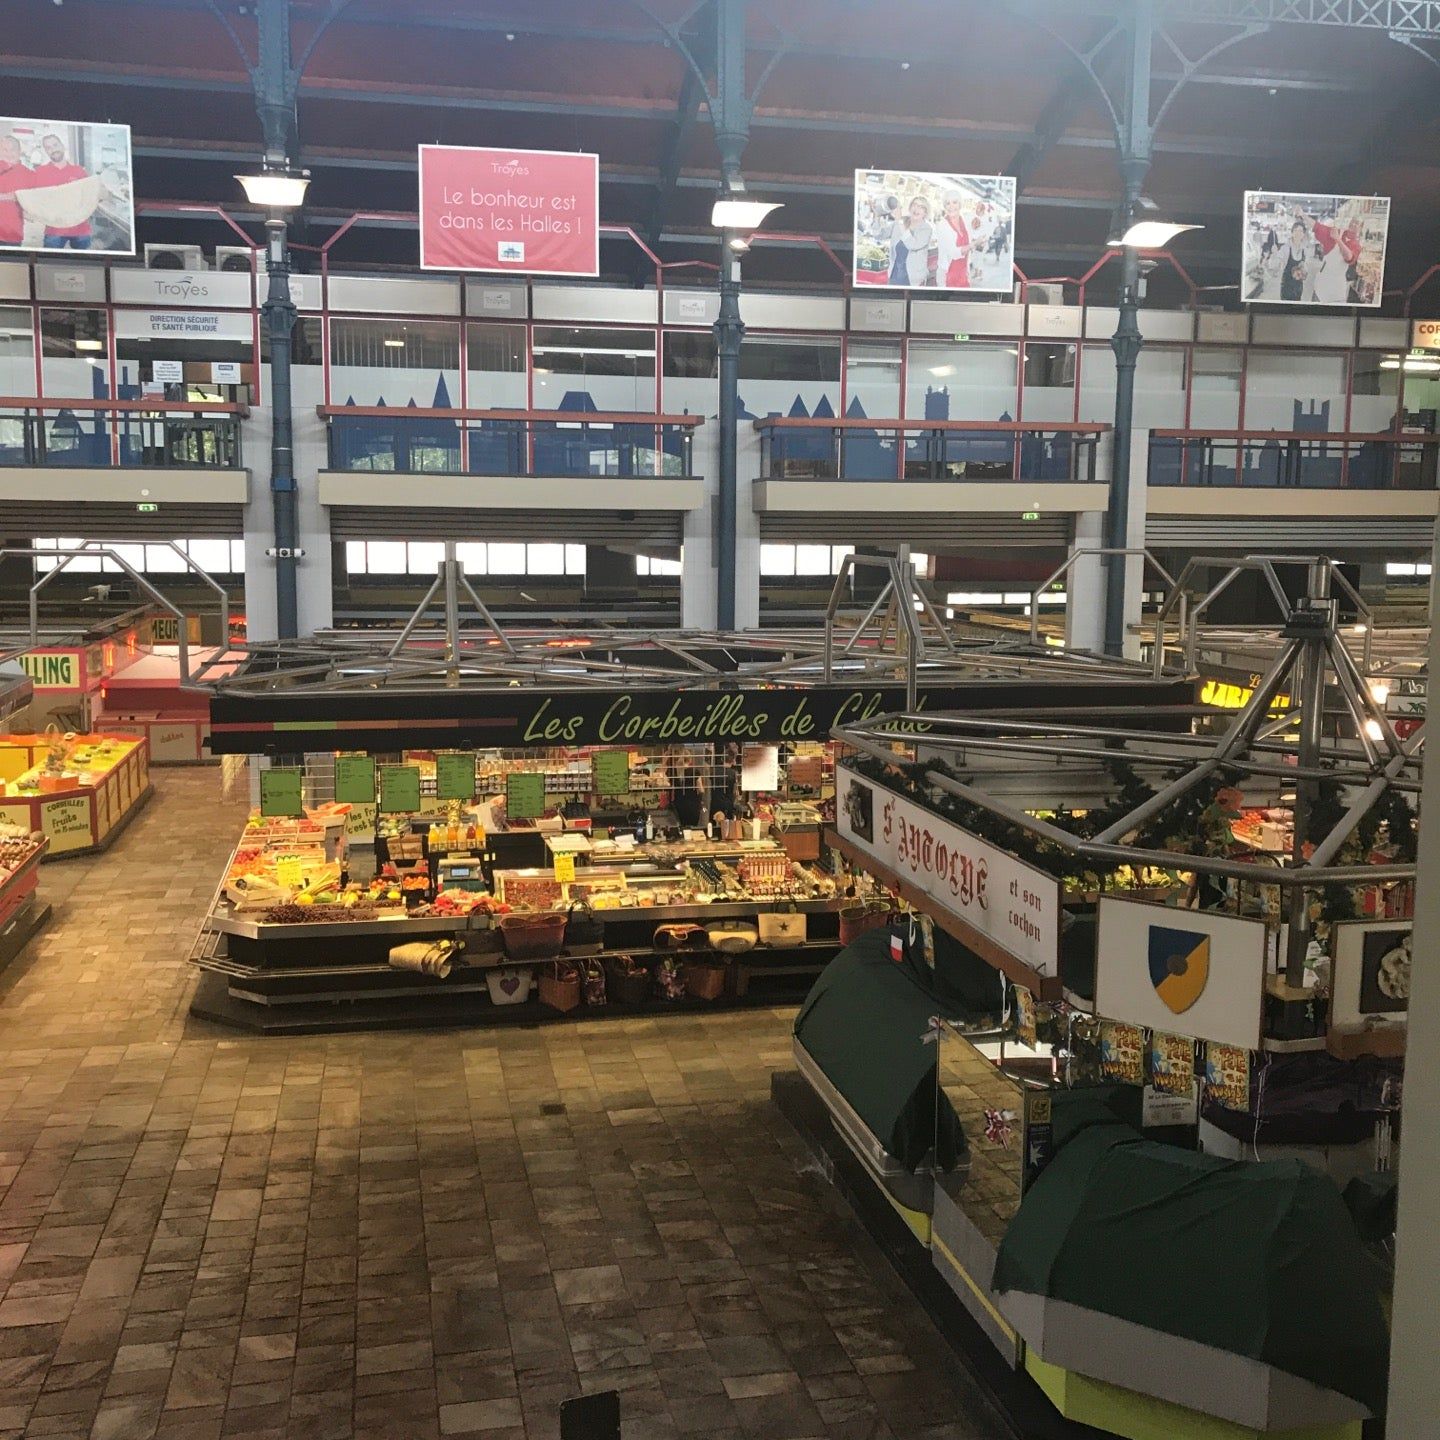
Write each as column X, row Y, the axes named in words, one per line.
column 399, row 789
column 68, row 185
column 1227, row 1076
column 1172, row 1064
column 354, row 780
column 533, row 212
column 280, row 792
column 1313, row 249
column 455, row 776
column 611, row 769
column 918, row 229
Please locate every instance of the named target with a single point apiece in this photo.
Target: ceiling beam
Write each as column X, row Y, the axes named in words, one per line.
column 64, row 73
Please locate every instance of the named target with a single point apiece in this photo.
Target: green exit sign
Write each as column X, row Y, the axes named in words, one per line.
column 1031, row 515
column 147, row 508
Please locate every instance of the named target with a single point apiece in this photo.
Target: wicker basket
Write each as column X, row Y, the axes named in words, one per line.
column 704, row 979
column 533, row 937
column 856, row 919
column 560, row 986
column 624, row 985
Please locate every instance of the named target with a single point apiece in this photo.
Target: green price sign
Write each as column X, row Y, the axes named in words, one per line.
column 354, row 780
column 455, row 777
column 399, row 789
column 280, row 792
column 525, row 795
column 612, row 772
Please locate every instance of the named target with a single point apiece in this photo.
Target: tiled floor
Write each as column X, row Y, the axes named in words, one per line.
column 408, row 1236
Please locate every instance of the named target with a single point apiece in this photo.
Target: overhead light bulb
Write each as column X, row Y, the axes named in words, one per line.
column 1373, row 730
column 394, row 344
column 276, row 189
column 1379, row 692
column 1153, row 234
column 739, row 244
column 730, row 214
column 89, row 344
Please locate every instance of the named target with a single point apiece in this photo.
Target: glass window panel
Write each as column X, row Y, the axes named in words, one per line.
column 1215, row 388
column 812, row 560
column 1375, row 387
column 212, row 556
column 1049, row 381
column 426, row 557
column 506, row 558
column 307, row 343
column 17, row 351
column 386, row 557
column 872, row 380
column 837, row 554
column 355, row 557
column 545, row 559
column 961, row 380
column 162, row 560
column 777, row 559
column 396, row 362
column 1295, row 390
column 594, row 369
column 574, row 559
column 495, row 363
column 784, row 375
column 471, row 554
column 73, row 361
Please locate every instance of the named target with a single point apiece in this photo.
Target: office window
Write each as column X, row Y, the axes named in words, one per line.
column 580, row 368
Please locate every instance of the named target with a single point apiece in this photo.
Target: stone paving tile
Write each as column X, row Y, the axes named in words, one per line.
column 206, row 1235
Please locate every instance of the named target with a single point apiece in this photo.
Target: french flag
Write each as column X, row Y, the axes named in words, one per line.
column 897, row 948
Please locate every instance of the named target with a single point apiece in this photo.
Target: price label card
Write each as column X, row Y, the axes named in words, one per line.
column 354, row 780
column 525, row 795
column 399, row 789
column 289, row 872
column 612, row 772
column 455, row 777
column 564, row 868
column 280, row 792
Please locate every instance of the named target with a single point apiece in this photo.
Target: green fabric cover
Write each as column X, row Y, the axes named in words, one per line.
column 1260, row 1259
column 865, row 1024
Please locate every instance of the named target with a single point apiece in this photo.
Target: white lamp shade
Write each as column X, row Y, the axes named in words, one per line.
column 1154, row 234
column 741, row 214
column 275, row 189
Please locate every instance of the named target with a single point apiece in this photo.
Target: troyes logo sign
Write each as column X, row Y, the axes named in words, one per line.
column 1179, row 965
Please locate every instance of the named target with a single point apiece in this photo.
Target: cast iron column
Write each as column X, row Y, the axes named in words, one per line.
column 1127, row 341
column 279, row 317
column 274, row 82
column 731, row 115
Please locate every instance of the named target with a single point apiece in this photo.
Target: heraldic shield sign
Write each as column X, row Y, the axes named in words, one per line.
column 1179, row 965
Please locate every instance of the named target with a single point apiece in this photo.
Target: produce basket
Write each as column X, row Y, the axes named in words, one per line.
column 782, row 928
column 864, row 915
column 584, row 933
column 425, row 957
column 592, row 982
column 705, row 979
column 560, row 986
column 509, row 984
column 627, row 981
column 681, row 937
column 533, row 937
column 732, row 937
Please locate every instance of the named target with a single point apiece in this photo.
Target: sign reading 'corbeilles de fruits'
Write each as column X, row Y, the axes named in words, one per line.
column 533, row 212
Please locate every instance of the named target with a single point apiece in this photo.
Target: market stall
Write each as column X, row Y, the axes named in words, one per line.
column 78, row 791
column 1205, row 942
column 22, row 911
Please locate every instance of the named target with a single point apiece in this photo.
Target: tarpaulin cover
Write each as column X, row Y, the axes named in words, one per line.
column 865, row 1024
column 1259, row 1259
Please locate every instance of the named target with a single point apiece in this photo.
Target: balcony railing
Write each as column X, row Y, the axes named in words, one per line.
column 509, row 442
column 104, row 434
column 1294, row 459
column 964, row 450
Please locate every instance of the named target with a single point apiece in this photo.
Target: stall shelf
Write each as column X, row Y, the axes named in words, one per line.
column 83, row 808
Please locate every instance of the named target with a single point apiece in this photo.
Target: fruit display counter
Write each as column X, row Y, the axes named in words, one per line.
column 78, row 791
column 318, row 920
column 22, row 912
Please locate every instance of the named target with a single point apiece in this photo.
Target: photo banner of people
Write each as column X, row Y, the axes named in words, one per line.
column 66, row 185
column 1314, row 249
column 916, row 230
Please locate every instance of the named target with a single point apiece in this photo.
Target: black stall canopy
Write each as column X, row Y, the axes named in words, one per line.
column 278, row 720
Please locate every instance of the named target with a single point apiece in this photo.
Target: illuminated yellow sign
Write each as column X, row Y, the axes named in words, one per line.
column 1226, row 695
